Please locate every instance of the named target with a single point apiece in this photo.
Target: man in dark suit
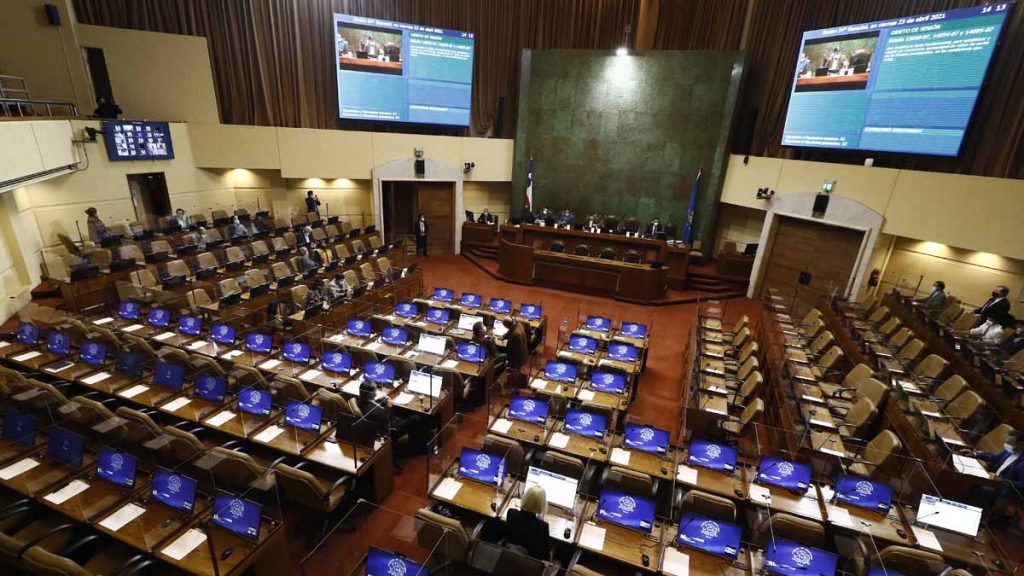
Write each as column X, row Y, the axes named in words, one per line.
column 528, row 216
column 485, row 217
column 654, row 228
column 1008, row 466
column 422, row 228
column 996, row 308
column 566, row 219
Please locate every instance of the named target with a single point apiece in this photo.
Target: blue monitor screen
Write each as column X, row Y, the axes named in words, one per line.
column 585, row 423
column 528, row 409
column 711, row 455
column 443, row 294
column 709, row 535
column 174, row 490
column 529, row 311
column 337, row 362
column 58, row 343
column 906, row 85
column 598, row 323
column 582, row 344
column 500, row 305
column 168, row 375
column 135, row 140
column 395, row 336
column 470, row 352
column 382, row 563
column 296, row 352
column 20, row 428
column 406, row 310
column 190, row 325
column 622, row 352
column 560, row 371
column 254, row 401
column 129, row 310
column 633, row 330
column 28, row 333
column 357, row 327
column 379, row 372
column 159, row 317
column 222, row 334
column 129, row 363
column 116, row 467
column 610, row 382
column 259, row 343
column 211, row 388
column 864, row 493
column 437, row 315
column 238, row 515
column 66, row 446
column 626, row 510
column 784, row 474
column 645, row 438
column 470, row 300
column 398, row 72
column 303, row 416
column 93, row 352
column 482, row 467
column 787, row 558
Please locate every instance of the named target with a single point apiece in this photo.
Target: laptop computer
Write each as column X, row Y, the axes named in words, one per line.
column 560, row 371
column 610, row 382
column 19, row 427
column 485, row 468
column 406, row 310
column 424, row 383
column 93, row 353
column 66, row 446
column 470, row 300
column 129, row 310
column 27, row 333
column 223, row 334
column 500, row 305
column 237, row 515
column 430, row 344
column 303, row 416
column 379, row 373
column 864, row 493
column 627, row 510
column 443, row 294
column 633, row 330
column 383, row 563
column 582, row 344
column 115, row 467
column 598, row 323
column 168, row 375
column 710, row 535
column 296, row 352
column 190, row 326
column 176, row 491
column 470, row 352
column 258, row 342
column 527, row 409
column 622, row 352
column 530, row 311
column 645, row 438
column 255, row 402
column 358, row 327
column 787, row 558
column 792, row 476
column 712, row 456
column 560, row 490
column 438, row 316
column 337, row 362
column 948, row 515
column 395, row 336
column 583, row 423
column 210, row 387
column 467, row 321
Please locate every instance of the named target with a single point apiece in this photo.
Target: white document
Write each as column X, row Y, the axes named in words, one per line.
column 220, row 418
column 132, row 328
column 163, row 336
column 839, row 515
column 927, row 413
column 270, row 364
column 124, row 515
column 176, row 404
column 559, row 440
column 97, row 377
column 686, row 474
column 403, row 398
column 133, row 391
column 717, row 390
column 539, row 384
column 351, row 388
column 909, row 387
column 197, row 344
column 832, row 452
column 103, row 321
column 967, row 465
column 952, row 440
column 27, row 356
column 18, row 468
column 676, row 563
column 501, row 426
column 59, row 369
column 822, row 423
column 760, row 494
column 4, row 344
column 592, row 537
column 310, row 375
column 556, row 527
column 373, row 345
column 447, row 489
column 449, row 364
column 826, row 492
column 926, row 538
column 61, row 496
column 268, row 434
column 585, row 395
column 619, row 456
column 184, row 545
column 232, row 354
column 337, row 338
column 810, row 398
column 411, row 354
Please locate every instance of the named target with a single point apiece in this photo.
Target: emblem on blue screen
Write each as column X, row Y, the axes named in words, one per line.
column 295, row 348
column 785, row 469
column 254, row 397
column 442, row 293
column 528, row 309
column 620, row 349
column 646, row 434
column 802, row 556
column 237, row 508
column 174, row 484
column 713, row 451
column 559, row 368
column 302, row 411
column 359, row 325
column 483, row 461
column 396, row 567
column 627, row 504
column 586, row 419
column 607, row 378
column 116, row 462
column 710, row 528
column 865, row 488
column 471, row 349
column 529, row 405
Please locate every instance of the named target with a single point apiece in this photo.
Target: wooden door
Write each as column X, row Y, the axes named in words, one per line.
column 826, row 253
column 437, row 202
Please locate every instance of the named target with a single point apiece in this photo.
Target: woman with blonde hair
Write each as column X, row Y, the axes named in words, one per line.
column 527, row 527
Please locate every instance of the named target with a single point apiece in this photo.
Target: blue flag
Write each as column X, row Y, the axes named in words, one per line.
column 529, row 183
column 688, row 230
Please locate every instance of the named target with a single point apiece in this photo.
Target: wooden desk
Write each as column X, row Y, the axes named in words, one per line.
column 855, row 520
column 982, row 552
column 155, row 526
column 807, row 505
column 525, row 432
column 639, row 283
column 593, row 449
column 541, row 237
column 482, row 234
column 471, row 495
column 701, row 563
column 620, row 543
column 99, row 497
column 43, row 476
column 732, row 486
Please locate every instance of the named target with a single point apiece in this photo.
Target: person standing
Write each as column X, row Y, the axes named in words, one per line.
column 422, row 228
column 997, row 307
column 97, row 229
column 312, row 203
column 106, row 109
column 183, row 221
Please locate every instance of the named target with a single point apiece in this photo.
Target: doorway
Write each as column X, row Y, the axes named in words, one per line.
column 807, row 260
column 150, row 198
column 404, row 200
column 400, row 205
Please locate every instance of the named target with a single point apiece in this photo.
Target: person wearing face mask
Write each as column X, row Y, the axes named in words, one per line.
column 1008, row 466
column 996, row 307
column 990, row 332
column 935, row 301
column 1014, row 343
column 422, row 228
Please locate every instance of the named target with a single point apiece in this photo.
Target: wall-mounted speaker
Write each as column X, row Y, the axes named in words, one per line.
column 421, row 167
column 820, row 205
column 52, row 14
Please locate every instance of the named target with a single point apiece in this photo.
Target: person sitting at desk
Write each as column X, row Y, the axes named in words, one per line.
column 654, row 228
column 546, row 216
column 996, row 307
column 183, row 221
column 305, row 262
column 259, row 224
column 989, row 332
column 485, row 217
column 526, row 526
column 566, row 219
column 935, row 301
column 1008, row 465
column 482, row 338
column 338, row 288
column 306, row 236
column 97, row 229
column 517, row 350
column 591, row 222
column 380, row 412
column 236, row 229
column 528, row 216
column 201, row 238
column 1014, row 343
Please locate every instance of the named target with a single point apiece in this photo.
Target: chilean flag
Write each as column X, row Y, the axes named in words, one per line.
column 529, row 183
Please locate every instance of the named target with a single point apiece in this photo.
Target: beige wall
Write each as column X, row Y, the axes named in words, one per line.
column 32, row 147
column 156, row 76
column 738, row 224
column 495, row 196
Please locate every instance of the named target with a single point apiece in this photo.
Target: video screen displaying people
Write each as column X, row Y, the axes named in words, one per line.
column 369, row 49
column 836, row 63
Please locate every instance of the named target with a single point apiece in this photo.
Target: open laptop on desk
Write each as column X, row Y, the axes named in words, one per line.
column 627, row 510
column 621, row 352
column 709, row 535
column 466, row 323
column 117, row 468
column 437, row 316
column 297, row 352
column 239, row 516
column 481, row 467
column 258, row 343
column 359, row 328
column 948, row 515
column 863, row 493
column 586, row 424
column 598, row 324
column 500, row 305
column 303, row 415
column 560, row 490
column 582, row 344
column 786, row 558
column 560, row 371
column 337, row 363
column 211, row 388
column 443, row 295
column 633, row 330
column 470, row 352
column 646, row 439
column 383, row 563
column 608, row 382
column 175, row 491
column 530, row 311
column 786, row 474
column 470, row 300
column 430, row 348
column 712, row 456
column 406, row 310
column 424, row 383
column 254, row 401
column 20, row 428
column 528, row 409
column 380, row 373
column 395, row 336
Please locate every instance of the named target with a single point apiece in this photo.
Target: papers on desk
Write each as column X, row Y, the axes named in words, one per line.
column 926, row 538
column 310, row 375
column 176, row 404
column 411, row 354
column 539, row 384
column 133, row 391
column 124, row 515
column 373, row 345
column 447, row 489
column 132, row 328
column 839, row 515
column 715, row 389
column 4, row 344
column 676, row 563
column 832, row 451
column 449, row 364
column 337, row 337
column 930, row 414
column 232, row 354
column 501, row 426
column 822, row 423
column 61, row 496
column 619, row 456
column 557, row 526
column 559, row 440
column 686, row 474
column 760, row 494
column 403, row 398
column 163, row 336
column 197, row 344
column 592, row 537
column 351, row 388
column 951, row 440
column 27, row 356
column 827, row 493
column 220, row 418
column 810, row 398
column 60, row 367
column 585, row 395
column 714, row 369
column 95, row 378
column 103, row 321
column 908, row 386
column 968, row 465
column 185, row 544
column 18, row 468
column 268, row 435
column 338, row 458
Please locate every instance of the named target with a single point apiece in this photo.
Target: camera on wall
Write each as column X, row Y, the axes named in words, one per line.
column 468, row 167
column 765, row 193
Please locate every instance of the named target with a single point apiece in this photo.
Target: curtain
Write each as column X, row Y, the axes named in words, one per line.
column 700, row 24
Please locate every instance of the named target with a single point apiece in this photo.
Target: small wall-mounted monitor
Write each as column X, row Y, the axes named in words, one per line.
column 134, row 140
